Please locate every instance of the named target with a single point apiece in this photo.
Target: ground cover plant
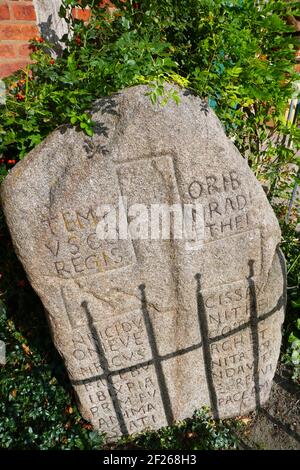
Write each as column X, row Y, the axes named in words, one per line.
column 239, row 56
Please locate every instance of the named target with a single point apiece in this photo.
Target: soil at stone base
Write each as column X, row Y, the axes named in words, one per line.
column 276, row 426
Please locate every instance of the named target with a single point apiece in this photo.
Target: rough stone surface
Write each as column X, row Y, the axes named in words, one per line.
column 150, row 331
column 51, row 25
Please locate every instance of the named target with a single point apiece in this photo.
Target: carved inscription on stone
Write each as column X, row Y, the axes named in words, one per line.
column 151, row 328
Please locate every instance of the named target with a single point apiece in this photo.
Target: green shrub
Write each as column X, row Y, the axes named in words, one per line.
column 36, row 412
column 237, row 54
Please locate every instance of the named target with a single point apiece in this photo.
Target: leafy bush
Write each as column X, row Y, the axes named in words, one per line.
column 239, row 55
column 35, row 410
column 291, row 343
column 37, row 404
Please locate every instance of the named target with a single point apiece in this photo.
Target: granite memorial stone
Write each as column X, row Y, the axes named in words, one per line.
column 151, row 327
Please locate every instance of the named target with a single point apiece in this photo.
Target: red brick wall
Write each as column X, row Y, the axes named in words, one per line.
column 17, row 26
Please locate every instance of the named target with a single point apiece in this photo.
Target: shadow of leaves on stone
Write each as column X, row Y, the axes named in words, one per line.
column 48, row 32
